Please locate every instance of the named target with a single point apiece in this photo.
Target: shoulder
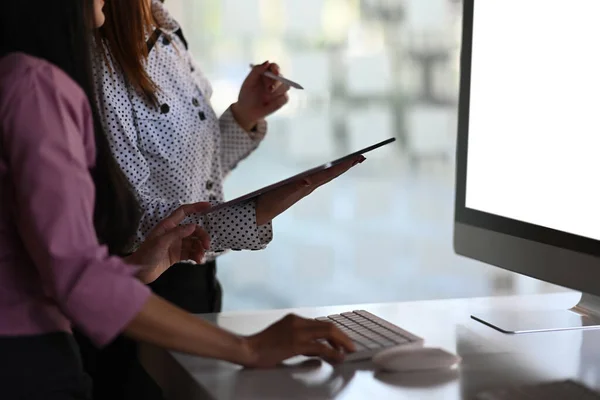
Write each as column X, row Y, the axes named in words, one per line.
column 26, row 78
column 38, row 100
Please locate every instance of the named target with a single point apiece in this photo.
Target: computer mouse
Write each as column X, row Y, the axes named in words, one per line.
column 398, row 359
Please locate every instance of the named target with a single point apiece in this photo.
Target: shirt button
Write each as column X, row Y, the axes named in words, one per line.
column 195, row 102
column 164, row 109
column 166, row 41
column 202, row 115
column 209, row 185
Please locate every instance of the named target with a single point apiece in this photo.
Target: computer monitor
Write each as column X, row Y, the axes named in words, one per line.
column 528, row 150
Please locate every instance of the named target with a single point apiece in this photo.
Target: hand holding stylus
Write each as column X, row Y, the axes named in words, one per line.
column 281, row 79
column 259, row 96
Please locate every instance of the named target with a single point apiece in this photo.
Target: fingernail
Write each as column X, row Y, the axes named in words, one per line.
column 360, row 160
column 272, row 88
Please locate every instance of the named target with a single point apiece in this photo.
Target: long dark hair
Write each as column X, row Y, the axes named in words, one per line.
column 60, row 31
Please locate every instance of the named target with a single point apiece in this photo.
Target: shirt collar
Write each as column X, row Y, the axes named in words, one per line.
column 164, row 20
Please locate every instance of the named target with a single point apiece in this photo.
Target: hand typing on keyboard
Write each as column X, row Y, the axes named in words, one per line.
column 371, row 334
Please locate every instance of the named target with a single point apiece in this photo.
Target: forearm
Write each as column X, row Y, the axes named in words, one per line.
column 167, row 326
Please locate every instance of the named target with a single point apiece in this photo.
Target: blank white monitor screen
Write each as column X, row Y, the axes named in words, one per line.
column 534, row 123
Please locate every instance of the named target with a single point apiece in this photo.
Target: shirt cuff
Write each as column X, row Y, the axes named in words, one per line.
column 114, row 296
column 237, row 142
column 234, row 228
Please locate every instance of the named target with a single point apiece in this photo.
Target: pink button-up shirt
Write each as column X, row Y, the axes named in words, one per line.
column 53, row 271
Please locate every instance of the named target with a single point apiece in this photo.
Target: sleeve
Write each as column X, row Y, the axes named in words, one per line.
column 236, row 143
column 231, row 228
column 234, row 228
column 43, row 135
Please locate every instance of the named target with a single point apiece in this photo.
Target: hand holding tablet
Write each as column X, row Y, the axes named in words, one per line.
column 274, row 199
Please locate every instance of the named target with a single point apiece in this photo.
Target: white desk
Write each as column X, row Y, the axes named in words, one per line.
column 490, row 359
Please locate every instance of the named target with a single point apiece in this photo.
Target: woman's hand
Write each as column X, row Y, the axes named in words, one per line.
column 259, row 96
column 273, row 203
column 168, row 243
column 294, row 336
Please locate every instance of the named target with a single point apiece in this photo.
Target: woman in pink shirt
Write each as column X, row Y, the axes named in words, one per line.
column 57, row 233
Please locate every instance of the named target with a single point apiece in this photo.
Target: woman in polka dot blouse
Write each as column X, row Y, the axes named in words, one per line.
column 155, row 105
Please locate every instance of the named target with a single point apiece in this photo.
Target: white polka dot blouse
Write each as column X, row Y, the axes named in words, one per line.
column 179, row 151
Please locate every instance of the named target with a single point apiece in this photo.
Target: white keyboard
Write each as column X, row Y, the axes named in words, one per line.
column 371, row 334
column 558, row 390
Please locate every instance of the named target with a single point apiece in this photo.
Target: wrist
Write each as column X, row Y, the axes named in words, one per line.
column 132, row 259
column 244, row 353
column 241, row 118
column 142, row 273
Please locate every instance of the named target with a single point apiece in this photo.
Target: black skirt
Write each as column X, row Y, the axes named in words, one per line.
column 42, row 367
column 116, row 371
column 195, row 288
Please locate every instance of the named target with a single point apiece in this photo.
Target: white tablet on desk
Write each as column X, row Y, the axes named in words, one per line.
column 301, row 175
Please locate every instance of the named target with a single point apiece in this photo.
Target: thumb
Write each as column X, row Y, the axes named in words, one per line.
column 201, row 206
column 258, row 70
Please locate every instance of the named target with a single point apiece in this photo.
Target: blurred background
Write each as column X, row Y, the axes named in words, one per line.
column 372, row 69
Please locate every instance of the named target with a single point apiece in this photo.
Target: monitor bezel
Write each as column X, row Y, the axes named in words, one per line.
column 483, row 220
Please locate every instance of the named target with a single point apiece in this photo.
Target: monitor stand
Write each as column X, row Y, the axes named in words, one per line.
column 584, row 315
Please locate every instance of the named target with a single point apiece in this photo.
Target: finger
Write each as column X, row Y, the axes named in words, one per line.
column 177, row 216
column 325, row 330
column 271, row 84
column 203, row 237
column 186, row 249
column 322, row 350
column 256, row 72
column 292, row 192
column 322, row 177
column 278, row 91
column 197, row 254
column 188, row 246
column 192, row 249
column 276, row 103
column 178, row 233
column 274, row 68
column 193, row 208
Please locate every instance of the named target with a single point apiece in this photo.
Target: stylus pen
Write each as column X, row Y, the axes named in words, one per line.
column 281, row 79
